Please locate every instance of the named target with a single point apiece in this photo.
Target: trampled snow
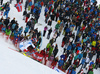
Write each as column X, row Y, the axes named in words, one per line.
column 12, row 62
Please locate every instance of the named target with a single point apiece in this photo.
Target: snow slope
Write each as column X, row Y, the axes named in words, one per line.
column 12, row 62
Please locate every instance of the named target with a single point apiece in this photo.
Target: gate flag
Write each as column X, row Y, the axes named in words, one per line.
column 19, row 7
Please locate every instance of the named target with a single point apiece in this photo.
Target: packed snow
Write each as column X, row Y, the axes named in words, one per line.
column 13, row 62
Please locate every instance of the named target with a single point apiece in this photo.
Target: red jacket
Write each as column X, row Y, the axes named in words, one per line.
column 42, row 53
column 52, row 10
column 98, row 61
column 49, row 8
column 46, row 56
column 32, row 7
column 91, row 67
column 54, row 62
column 90, row 25
column 57, row 14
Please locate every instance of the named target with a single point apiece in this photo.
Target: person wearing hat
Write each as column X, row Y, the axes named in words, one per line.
column 60, row 63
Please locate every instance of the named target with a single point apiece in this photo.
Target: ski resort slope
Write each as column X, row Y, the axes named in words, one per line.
column 12, row 62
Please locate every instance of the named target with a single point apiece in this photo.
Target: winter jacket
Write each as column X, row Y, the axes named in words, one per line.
column 57, row 14
column 25, row 12
column 8, row 31
column 67, row 30
column 29, row 23
column 20, row 30
column 90, row 72
column 34, row 10
column 13, row 26
column 49, row 31
column 48, row 45
column 87, row 60
column 93, row 43
column 60, row 63
column 51, row 58
column 54, row 62
column 46, row 9
column 6, row 22
column 7, row 9
column 45, row 28
column 73, row 72
column 97, row 61
column 30, row 3
column 3, row 29
column 79, row 48
column 1, row 23
column 26, row 29
column 28, row 15
column 92, row 30
column 32, row 7
column 55, row 51
column 91, row 63
column 62, row 56
column 80, row 56
column 57, row 26
column 69, row 47
column 39, row 11
column 76, row 57
column 83, row 61
column 42, row 52
column 15, row 33
column 51, row 50
column 49, row 22
column 90, row 55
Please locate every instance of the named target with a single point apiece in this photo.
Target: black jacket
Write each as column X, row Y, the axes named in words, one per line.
column 25, row 12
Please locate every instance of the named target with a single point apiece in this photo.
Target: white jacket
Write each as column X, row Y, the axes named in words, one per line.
column 87, row 60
